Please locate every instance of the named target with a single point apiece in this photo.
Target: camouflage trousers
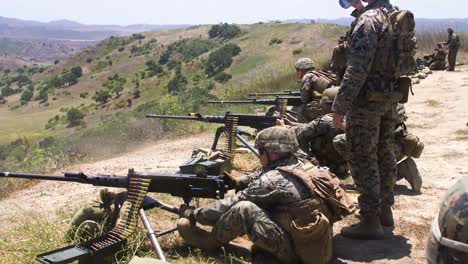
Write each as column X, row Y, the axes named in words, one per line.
column 437, row 66
column 452, row 58
column 246, row 218
column 371, row 157
column 340, row 144
column 310, row 111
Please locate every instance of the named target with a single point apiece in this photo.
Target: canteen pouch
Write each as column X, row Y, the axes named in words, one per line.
column 313, row 239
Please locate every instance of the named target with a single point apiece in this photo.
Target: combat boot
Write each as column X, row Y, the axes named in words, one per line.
column 410, row 172
column 369, row 228
column 196, row 237
column 386, row 216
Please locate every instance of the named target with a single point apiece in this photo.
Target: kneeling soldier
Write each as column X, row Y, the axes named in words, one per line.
column 287, row 211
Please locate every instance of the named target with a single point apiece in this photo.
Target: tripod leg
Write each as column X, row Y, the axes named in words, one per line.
column 152, row 236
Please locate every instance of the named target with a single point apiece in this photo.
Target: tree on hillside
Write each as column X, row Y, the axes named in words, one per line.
column 152, row 68
column 115, row 84
column 225, row 31
column 74, row 117
column 102, row 96
column 77, row 71
column 221, row 59
column 26, row 96
column 178, row 83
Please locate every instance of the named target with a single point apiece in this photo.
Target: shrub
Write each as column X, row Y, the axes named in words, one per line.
column 26, row 96
column 221, row 59
column 121, row 104
column 84, row 94
column 297, row 51
column 222, row 77
column 152, row 68
column 102, row 96
column 56, row 62
column 115, row 84
column 136, row 94
column 74, row 117
column 224, row 30
column 89, row 60
column 275, row 40
column 177, row 83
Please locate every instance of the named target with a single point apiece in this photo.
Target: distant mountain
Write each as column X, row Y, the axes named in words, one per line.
column 26, row 40
column 70, row 30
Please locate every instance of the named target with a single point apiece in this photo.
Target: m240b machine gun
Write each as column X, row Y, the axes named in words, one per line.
column 253, row 121
column 138, row 184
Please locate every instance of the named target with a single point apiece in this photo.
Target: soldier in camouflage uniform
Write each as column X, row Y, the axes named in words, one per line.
column 316, row 137
column 310, row 92
column 338, row 61
column 448, row 239
column 437, row 59
column 277, row 210
column 453, row 44
column 369, row 124
column 404, row 153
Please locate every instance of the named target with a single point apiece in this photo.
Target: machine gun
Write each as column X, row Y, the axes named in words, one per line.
column 138, row 184
column 281, row 104
column 253, row 121
column 290, row 100
column 284, row 93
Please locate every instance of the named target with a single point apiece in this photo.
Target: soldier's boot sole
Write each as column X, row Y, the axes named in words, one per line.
column 410, row 172
column 196, row 237
column 369, row 228
column 386, row 216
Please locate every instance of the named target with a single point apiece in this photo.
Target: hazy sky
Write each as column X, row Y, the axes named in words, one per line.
column 124, row 12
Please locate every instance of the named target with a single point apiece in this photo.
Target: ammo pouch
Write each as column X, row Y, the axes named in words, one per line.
column 310, row 230
column 412, row 146
column 390, row 90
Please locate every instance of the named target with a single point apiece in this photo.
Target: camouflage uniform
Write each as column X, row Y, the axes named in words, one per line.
column 448, row 239
column 338, row 61
column 318, row 136
column 280, row 210
column 453, row 44
column 311, row 108
column 370, row 124
column 248, row 212
column 438, row 60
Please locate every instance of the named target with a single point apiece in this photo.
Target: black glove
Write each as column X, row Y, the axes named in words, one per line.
column 186, row 211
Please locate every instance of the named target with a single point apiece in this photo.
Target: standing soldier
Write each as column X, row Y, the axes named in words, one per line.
column 453, row 43
column 312, row 86
column 287, row 211
column 368, row 99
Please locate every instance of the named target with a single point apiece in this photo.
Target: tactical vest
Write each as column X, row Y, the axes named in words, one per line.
column 339, row 55
column 324, row 184
column 324, row 80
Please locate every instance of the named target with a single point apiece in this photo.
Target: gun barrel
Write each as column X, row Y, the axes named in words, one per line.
column 295, row 93
column 246, row 101
column 196, row 118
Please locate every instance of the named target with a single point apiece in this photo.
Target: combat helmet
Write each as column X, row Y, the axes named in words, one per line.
column 277, row 140
column 328, row 97
column 304, row 64
column 448, row 241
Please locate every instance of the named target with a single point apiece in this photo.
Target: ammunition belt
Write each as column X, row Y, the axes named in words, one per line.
column 127, row 223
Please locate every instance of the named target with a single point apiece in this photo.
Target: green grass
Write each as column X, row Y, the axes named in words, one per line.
column 248, row 63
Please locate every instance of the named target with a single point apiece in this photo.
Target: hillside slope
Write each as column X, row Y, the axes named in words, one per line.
column 258, row 65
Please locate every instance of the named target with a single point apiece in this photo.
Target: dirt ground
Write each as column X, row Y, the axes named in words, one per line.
column 437, row 114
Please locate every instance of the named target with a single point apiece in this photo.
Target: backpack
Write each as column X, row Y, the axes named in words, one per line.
column 396, row 50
